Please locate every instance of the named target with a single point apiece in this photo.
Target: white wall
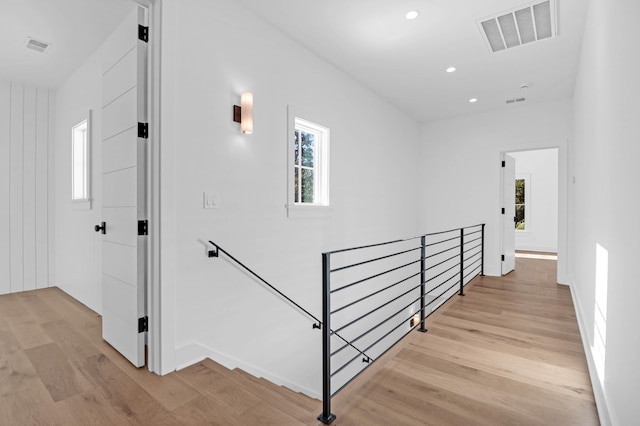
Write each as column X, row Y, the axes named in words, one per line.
column 220, row 311
column 605, row 198
column 460, row 169
column 540, row 168
column 26, row 169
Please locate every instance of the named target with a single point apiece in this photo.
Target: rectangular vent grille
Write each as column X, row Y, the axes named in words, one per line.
column 37, row 45
column 522, row 25
column 516, row 100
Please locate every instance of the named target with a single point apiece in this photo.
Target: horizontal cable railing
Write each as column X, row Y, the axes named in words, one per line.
column 382, row 292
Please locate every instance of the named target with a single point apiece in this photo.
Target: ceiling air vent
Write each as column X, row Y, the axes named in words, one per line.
column 525, row 24
column 37, row 45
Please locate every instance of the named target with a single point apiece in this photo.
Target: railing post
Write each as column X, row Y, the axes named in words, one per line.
column 326, row 416
column 423, row 243
column 461, row 261
column 482, row 253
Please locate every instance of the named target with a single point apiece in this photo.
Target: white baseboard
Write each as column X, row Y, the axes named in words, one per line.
column 598, row 391
column 542, row 249
column 192, row 353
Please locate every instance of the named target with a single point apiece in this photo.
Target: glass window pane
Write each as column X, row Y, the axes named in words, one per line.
column 79, row 163
column 296, row 147
column 296, row 184
column 307, row 186
column 77, row 169
column 520, row 191
column 308, row 148
column 520, row 217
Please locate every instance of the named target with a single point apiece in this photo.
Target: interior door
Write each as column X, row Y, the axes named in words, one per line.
column 124, row 190
column 509, row 213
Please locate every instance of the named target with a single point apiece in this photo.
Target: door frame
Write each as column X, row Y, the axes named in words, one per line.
column 154, row 19
column 563, row 204
column 162, row 255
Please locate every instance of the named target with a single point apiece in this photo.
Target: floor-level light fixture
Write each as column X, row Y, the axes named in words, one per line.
column 243, row 114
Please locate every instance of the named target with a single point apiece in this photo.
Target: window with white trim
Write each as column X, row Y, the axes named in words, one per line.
column 308, row 163
column 80, row 161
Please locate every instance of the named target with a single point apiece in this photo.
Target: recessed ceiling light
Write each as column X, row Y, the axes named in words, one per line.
column 473, row 100
column 451, row 69
column 412, row 14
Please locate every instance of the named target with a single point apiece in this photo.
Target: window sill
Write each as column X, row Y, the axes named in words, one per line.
column 309, row 211
column 81, row 204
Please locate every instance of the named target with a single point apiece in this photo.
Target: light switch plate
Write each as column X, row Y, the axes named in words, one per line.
column 211, row 200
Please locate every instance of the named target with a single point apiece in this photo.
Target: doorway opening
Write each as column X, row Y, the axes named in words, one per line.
column 530, row 201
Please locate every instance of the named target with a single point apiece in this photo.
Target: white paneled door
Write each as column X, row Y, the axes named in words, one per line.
column 124, row 210
column 508, row 214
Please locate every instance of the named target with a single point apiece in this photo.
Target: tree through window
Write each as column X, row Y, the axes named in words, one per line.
column 304, row 154
column 520, row 204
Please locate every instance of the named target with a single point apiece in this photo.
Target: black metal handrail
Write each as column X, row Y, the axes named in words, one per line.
column 317, row 325
column 246, row 268
column 470, row 260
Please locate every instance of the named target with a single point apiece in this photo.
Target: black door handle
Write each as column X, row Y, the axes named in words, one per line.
column 101, row 228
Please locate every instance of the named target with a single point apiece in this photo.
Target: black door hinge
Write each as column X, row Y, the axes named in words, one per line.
column 143, row 227
column 504, row 164
column 143, row 130
column 503, row 210
column 143, row 324
column 502, row 257
column 143, row 33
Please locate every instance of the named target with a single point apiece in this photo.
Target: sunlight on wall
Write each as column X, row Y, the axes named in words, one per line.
column 598, row 347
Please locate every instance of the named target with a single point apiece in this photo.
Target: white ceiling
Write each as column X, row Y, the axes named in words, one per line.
column 403, row 61
column 75, row 28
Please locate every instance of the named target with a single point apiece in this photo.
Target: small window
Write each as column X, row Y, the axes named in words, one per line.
column 80, row 157
column 308, row 163
column 521, row 189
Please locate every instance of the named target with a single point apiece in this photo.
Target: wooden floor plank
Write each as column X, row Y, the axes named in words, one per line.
column 8, row 340
column 300, row 407
column 219, row 389
column 60, row 378
column 37, row 308
column 520, row 338
column 264, row 414
column 518, row 399
column 89, row 408
column 511, row 344
column 71, row 342
column 10, row 306
column 123, row 394
column 30, row 407
column 28, row 332
column 17, row 374
column 205, row 411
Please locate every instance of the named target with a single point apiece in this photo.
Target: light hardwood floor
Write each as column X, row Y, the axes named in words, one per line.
column 509, row 352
